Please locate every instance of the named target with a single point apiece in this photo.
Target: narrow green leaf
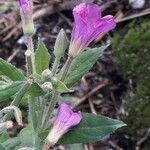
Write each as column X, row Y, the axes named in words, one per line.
column 10, row 90
column 61, row 87
column 42, row 58
column 82, row 64
column 10, row 71
column 92, row 128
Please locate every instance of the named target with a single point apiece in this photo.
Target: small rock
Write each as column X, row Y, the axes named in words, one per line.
column 137, row 4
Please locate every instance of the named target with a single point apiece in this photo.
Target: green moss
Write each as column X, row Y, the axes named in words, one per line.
column 131, row 46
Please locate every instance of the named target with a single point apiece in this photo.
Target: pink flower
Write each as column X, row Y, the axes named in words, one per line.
column 89, row 24
column 65, row 120
column 25, row 6
column 26, row 16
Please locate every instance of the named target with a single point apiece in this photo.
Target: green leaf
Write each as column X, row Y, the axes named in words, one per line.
column 61, row 87
column 92, row 128
column 10, row 71
column 4, row 84
column 11, row 144
column 10, row 90
column 35, row 90
column 82, row 64
column 4, row 137
column 42, row 58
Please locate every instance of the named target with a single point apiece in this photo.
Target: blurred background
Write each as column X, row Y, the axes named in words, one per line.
column 118, row 86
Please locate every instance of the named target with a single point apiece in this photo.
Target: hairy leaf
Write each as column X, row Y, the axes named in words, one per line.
column 10, row 71
column 82, row 64
column 10, row 90
column 42, row 58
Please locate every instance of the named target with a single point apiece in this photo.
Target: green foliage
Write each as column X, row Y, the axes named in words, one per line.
column 82, row 64
column 61, row 87
column 35, row 90
column 10, row 71
column 10, row 90
column 132, row 51
column 42, row 58
column 92, row 127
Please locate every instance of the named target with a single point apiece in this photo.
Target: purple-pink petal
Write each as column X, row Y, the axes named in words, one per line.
column 25, row 5
column 89, row 24
column 66, row 118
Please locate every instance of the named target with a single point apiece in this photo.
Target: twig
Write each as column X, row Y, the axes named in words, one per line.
column 142, row 140
column 90, row 146
column 143, row 13
column 85, row 97
column 9, row 59
column 92, row 106
column 114, row 145
column 66, row 19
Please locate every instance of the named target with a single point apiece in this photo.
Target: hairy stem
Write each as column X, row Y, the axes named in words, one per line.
column 31, row 48
column 55, row 66
column 66, row 68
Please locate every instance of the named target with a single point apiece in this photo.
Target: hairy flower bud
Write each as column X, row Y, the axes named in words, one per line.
column 65, row 120
column 47, row 86
column 26, row 16
column 46, row 75
column 61, row 44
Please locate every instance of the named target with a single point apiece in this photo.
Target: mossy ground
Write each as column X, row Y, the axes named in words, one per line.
column 131, row 46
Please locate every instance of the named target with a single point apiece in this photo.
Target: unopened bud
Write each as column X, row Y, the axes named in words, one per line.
column 47, row 86
column 46, row 75
column 54, row 80
column 26, row 16
column 61, row 44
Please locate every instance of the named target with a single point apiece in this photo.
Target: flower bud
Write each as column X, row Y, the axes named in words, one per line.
column 61, row 44
column 46, row 75
column 5, row 126
column 26, row 16
column 54, row 80
column 47, row 86
column 65, row 120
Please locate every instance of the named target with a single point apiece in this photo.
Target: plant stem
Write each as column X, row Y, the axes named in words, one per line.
column 31, row 48
column 55, row 66
column 66, row 68
column 32, row 118
column 50, row 108
column 31, row 101
column 32, row 111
